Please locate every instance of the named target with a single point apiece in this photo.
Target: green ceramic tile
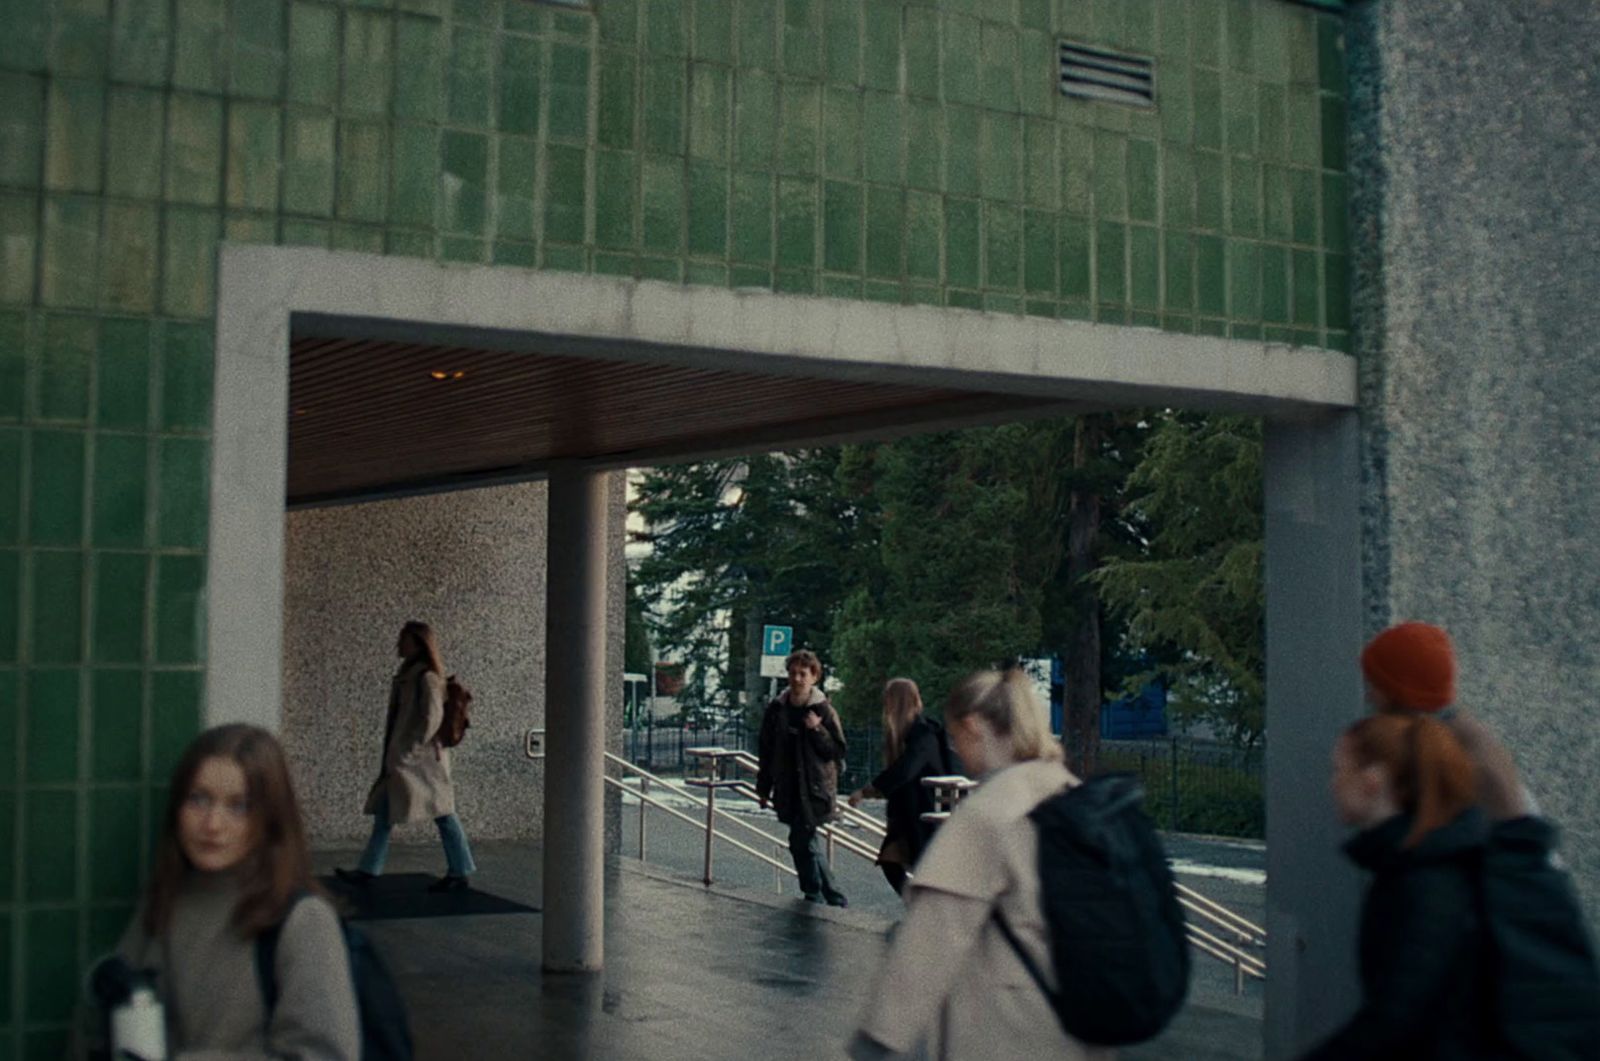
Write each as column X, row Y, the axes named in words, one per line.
column 180, row 609
column 841, row 134
column 1144, row 266
column 1330, row 55
column 469, row 249
column 1208, row 122
column 708, row 210
column 10, row 612
column 1339, row 341
column 1143, row 183
column 1275, row 284
column 661, row 214
column 757, row 23
column 420, row 56
column 752, row 217
column 619, row 22
column 308, row 165
column 998, row 303
column 924, row 235
column 52, row 720
column 924, row 145
column 1273, row 122
column 57, row 601
column 141, row 41
column 188, row 269
column 961, row 39
column 1000, row 167
column 880, row 66
column 1210, row 185
column 1038, row 73
column 615, row 264
column 883, row 134
column 1111, row 184
column 1307, row 288
column 1110, row 262
column 19, row 253
column 471, row 76
column 417, row 180
column 842, row 226
column 964, row 299
column 409, row 244
column 665, row 27
column 120, row 481
column 363, row 178
column 175, row 716
column 517, row 254
column 1336, row 280
column 1077, row 168
column 75, row 120
column 22, row 129
column 257, row 59
column 10, row 767
column 886, row 225
column 1333, row 133
column 1244, row 193
column 1074, row 258
column 963, row 149
column 1041, row 183
column 797, row 222
column 841, row 286
column 842, row 41
column 755, row 119
column 306, row 234
column 998, row 63
column 710, row 109
column 122, row 390
column 713, row 30
column 923, row 75
column 314, row 55
column 120, row 595
column 800, row 118
column 569, row 91
column 183, row 493
column 1239, row 34
column 1002, row 245
column 882, row 291
column 1303, row 205
column 1175, row 102
column 56, row 479
column 11, row 466
column 464, row 179
column 201, row 45
column 1240, row 111
column 1276, row 220
column 51, row 950
column 1177, row 187
column 1211, row 275
column 254, row 137
column 194, row 149
column 618, row 85
column 1272, row 43
column 113, row 846
column 1335, row 213
column 516, row 166
column 800, row 31
column 364, row 239
column 662, row 117
column 1179, row 272
column 706, row 274
column 1305, row 134
column 64, row 366
column 70, row 251
column 615, row 196
column 130, row 245
column 963, row 242
column 1244, row 280
column 1039, row 251
column 1247, row 332
column 750, row 276
column 795, row 282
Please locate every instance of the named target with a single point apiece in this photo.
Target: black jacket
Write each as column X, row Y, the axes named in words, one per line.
column 799, row 769
column 1425, row 966
column 900, row 784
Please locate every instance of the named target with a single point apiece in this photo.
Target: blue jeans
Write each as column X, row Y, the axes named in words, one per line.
column 811, row 865
column 457, row 855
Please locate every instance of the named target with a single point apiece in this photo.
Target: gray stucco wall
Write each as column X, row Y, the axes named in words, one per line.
column 472, row 564
column 1476, row 164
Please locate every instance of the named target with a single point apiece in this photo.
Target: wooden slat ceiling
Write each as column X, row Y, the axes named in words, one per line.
column 367, row 416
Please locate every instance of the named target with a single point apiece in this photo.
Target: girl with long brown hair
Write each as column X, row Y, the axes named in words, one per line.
column 1410, row 788
column 232, row 863
column 914, row 747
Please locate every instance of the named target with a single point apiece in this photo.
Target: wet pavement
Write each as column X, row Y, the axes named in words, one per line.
column 691, row 973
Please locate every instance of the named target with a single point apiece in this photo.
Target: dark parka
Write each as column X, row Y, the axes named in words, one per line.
column 926, row 753
column 799, row 769
column 1424, row 956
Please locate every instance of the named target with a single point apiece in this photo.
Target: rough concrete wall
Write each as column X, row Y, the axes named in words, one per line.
column 1476, row 149
column 472, row 564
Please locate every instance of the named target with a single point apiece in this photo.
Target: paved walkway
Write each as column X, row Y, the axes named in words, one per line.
column 691, row 973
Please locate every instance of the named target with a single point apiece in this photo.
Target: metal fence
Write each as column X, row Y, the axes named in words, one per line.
column 661, row 748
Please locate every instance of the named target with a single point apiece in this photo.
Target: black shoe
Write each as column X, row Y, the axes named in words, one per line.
column 812, row 897
column 449, row 883
column 355, row 876
column 838, row 899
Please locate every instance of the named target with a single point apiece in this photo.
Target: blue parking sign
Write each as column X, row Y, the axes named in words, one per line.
column 776, row 640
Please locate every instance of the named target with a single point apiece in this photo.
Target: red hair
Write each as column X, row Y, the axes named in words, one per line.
column 1433, row 776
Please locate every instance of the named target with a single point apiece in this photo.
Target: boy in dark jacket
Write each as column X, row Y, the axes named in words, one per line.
column 801, row 749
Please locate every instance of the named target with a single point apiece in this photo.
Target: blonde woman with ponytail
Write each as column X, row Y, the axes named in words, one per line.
column 952, row 986
column 1407, row 784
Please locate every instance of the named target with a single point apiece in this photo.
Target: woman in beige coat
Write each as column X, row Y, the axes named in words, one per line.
column 414, row 784
column 952, row 985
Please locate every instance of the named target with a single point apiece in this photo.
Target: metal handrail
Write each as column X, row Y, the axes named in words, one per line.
column 1248, row 931
column 853, row 815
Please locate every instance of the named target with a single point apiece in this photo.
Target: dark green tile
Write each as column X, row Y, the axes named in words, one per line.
column 841, row 134
column 130, row 255
column 1244, row 280
column 662, row 204
column 306, row 234
column 11, row 466
column 710, row 109
column 706, row 274
column 1177, row 187
column 119, row 612
column 842, row 224
column 517, row 168
column 313, row 54
column 1275, row 284
column 51, row 950
column 1307, row 289
column 464, row 179
column 56, row 478
column 114, row 837
column 1110, row 262
column 1336, row 282
column 414, row 169
column 964, row 299
column 1039, row 251
column 255, row 135
column 53, row 715
column 1041, row 183
column 1000, row 167
column 961, row 40
column 57, row 606
column 1276, row 220
column 569, row 91
column 1077, row 168
column 10, row 609
column 1207, row 109
column 471, row 76
column 1002, row 245
column 470, row 249
column 924, row 153
column 1244, row 193
column 882, row 291
column 141, row 41
column 26, row 43
column 924, row 235
column 1273, row 122
column 752, row 218
column 1074, row 258
column 308, row 165
column 1144, row 265
column 708, row 210
column 795, row 281
column 1239, row 34
column 517, row 254
column 963, row 242
column 22, row 129
column 1209, row 186
column 1335, row 213
column 1143, row 183
column 800, row 30
column 1330, row 55
column 757, row 23
column 1240, row 110
column 1248, row 332
column 800, row 120
column 615, row 264
column 662, row 116
column 1333, row 133
column 120, row 482
column 963, row 148
column 1001, row 303
column 1303, row 205
column 1038, row 73
column 122, row 373
column 841, row 286
column 180, row 609
column 922, row 66
column 797, row 222
column 665, row 27
column 998, row 44
column 755, row 119
column 364, row 239
column 750, row 276
column 176, row 699
column 201, row 46
column 1211, row 275
column 1175, row 102
column 1110, row 175
column 70, row 249
column 409, row 244
column 713, row 30
column 19, row 252
column 619, row 83
column 565, row 195
column 69, row 349
column 14, row 353
column 259, row 43
column 883, row 132
column 194, row 149
column 420, row 54
column 842, row 39
column 1179, row 272
column 363, row 171
column 10, row 767
column 881, row 44
column 1305, row 135
column 184, row 493
column 619, row 22
column 886, row 225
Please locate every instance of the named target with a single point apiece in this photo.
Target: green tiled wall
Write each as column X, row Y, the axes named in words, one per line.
column 894, row 150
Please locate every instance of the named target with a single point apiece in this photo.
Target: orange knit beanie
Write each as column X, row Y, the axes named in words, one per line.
column 1413, row 664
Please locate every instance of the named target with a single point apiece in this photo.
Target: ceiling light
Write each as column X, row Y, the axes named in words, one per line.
column 441, row 375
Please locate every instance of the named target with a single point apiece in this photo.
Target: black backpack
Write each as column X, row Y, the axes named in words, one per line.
column 385, row 1028
column 1116, row 930
column 1546, row 986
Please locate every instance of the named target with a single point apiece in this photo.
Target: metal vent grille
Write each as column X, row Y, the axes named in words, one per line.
column 1094, row 73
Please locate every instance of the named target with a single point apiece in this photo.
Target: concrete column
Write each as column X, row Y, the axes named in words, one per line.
column 575, row 714
column 1313, row 581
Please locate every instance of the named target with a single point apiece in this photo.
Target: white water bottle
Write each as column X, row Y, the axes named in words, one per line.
column 139, row 1027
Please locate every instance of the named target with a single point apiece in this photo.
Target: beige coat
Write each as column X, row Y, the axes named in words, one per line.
column 951, row 982
column 416, row 771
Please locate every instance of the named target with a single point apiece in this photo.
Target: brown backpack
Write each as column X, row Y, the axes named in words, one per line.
column 457, row 708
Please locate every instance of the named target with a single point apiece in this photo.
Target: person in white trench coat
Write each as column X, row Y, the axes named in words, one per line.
column 414, row 784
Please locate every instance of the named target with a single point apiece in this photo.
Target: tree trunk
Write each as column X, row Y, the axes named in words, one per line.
column 754, row 700
column 1080, row 729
